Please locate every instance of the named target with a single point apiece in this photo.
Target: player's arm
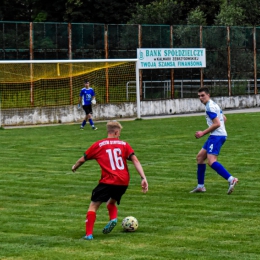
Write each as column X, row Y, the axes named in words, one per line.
column 224, row 118
column 78, row 163
column 215, row 124
column 93, row 98
column 140, row 170
column 80, row 99
column 79, row 104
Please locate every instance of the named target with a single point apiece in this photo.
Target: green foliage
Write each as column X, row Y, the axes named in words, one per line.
column 204, row 12
column 230, row 15
column 250, row 9
column 158, row 12
column 196, row 17
column 43, row 204
column 176, row 12
column 72, row 12
column 45, row 43
column 186, row 36
column 41, row 17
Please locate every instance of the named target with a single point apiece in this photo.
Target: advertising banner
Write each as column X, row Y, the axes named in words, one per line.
column 153, row 58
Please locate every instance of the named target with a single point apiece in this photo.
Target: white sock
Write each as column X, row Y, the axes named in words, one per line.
column 230, row 179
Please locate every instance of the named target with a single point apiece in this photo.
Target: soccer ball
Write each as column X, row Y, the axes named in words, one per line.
column 93, row 101
column 130, row 224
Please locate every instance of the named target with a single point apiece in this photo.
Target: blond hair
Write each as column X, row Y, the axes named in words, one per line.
column 112, row 126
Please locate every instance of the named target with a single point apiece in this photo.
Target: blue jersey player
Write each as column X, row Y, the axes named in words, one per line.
column 86, row 98
column 211, row 148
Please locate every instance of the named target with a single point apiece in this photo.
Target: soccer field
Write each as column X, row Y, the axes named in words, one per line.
column 43, row 204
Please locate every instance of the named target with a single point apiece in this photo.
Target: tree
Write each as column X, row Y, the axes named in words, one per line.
column 210, row 8
column 32, row 10
column 176, row 12
column 196, row 17
column 250, row 9
column 159, row 12
column 78, row 11
column 168, row 12
column 15, row 10
column 230, row 15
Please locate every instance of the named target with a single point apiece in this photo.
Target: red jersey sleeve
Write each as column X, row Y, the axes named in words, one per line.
column 92, row 151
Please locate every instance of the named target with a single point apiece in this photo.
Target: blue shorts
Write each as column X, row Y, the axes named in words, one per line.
column 214, row 144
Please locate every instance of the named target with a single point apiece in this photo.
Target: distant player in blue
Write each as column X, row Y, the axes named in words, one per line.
column 211, row 148
column 86, row 99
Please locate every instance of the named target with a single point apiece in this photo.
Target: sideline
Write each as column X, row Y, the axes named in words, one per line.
column 228, row 111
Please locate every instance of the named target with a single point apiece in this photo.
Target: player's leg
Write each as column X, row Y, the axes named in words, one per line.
column 116, row 192
column 201, row 169
column 112, row 212
column 85, row 119
column 112, row 208
column 91, row 120
column 215, row 144
column 214, row 149
column 91, row 218
column 217, row 166
column 99, row 195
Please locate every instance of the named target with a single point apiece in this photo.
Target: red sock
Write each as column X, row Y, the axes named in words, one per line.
column 90, row 221
column 112, row 211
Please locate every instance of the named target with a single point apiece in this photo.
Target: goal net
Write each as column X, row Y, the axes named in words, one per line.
column 51, row 84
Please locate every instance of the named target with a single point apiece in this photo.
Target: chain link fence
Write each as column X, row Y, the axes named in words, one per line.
column 231, row 52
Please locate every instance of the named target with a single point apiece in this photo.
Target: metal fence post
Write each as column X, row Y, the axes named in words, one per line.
column 201, row 46
column 31, row 65
column 106, row 57
column 140, row 71
column 255, row 62
column 228, row 61
column 172, row 70
column 70, row 65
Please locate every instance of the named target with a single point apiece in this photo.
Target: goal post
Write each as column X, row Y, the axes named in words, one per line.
column 52, row 83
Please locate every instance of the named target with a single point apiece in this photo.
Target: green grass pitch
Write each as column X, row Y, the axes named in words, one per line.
column 43, row 204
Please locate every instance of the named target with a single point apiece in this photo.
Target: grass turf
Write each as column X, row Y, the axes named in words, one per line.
column 43, row 204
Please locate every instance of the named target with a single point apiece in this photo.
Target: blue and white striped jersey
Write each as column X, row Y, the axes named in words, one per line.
column 212, row 111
